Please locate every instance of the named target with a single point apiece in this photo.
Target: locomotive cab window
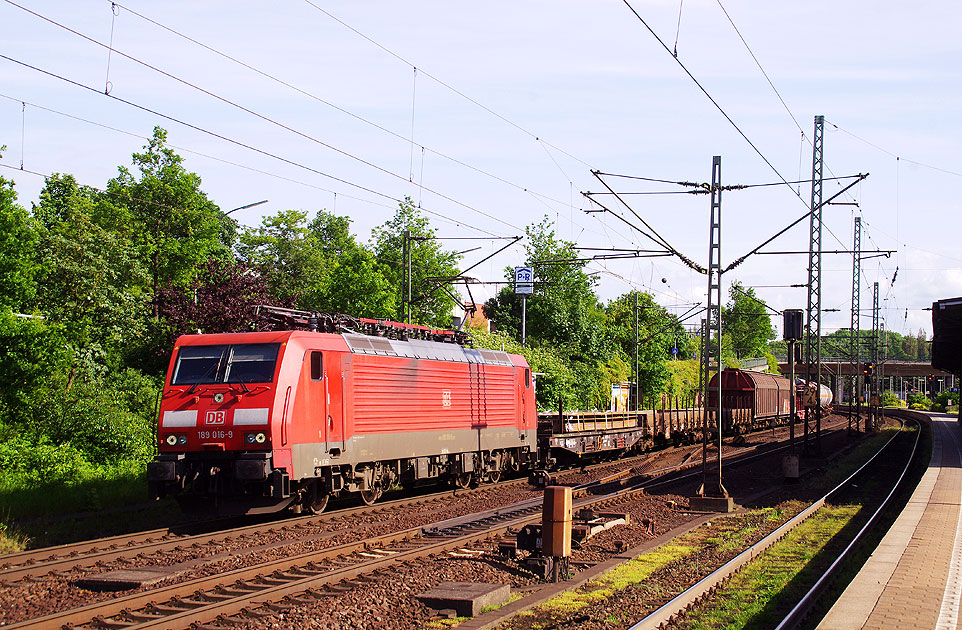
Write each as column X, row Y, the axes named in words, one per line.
column 317, row 365
column 527, row 377
column 237, row 363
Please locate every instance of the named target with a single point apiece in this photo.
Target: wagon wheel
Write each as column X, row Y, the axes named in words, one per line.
column 494, row 476
column 370, row 496
column 463, row 480
column 317, row 502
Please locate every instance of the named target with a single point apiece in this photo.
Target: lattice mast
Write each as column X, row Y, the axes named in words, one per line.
column 875, row 344
column 713, row 486
column 813, row 340
column 854, row 399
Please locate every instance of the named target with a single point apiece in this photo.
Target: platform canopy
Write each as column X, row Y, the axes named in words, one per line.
column 947, row 335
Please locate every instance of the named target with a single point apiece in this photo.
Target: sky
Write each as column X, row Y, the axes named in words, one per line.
column 491, row 116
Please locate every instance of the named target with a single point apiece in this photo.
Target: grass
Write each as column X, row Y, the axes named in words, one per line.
column 722, row 534
column 101, row 487
column 762, row 592
column 56, row 512
column 11, row 539
column 743, row 600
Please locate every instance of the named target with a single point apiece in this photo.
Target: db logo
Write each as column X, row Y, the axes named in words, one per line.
column 216, row 417
column 446, row 398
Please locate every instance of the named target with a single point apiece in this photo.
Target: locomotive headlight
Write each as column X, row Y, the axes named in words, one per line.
column 255, row 438
column 182, row 440
column 172, row 440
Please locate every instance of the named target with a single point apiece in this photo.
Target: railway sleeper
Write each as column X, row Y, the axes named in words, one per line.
column 109, row 624
column 234, row 592
column 188, row 603
column 214, row 597
column 275, row 581
column 231, row 620
column 141, row 616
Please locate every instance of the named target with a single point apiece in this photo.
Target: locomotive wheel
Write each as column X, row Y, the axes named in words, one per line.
column 370, row 496
column 318, row 502
column 494, row 476
column 463, row 480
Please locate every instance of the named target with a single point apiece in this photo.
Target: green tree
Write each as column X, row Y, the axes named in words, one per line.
column 173, row 224
column 746, row 325
column 18, row 251
column 563, row 310
column 430, row 265
column 924, row 350
column 92, row 280
column 658, row 333
column 356, row 285
column 910, row 347
column 332, row 234
column 32, row 351
column 286, row 253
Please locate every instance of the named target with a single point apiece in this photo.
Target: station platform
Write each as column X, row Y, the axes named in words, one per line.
column 914, row 577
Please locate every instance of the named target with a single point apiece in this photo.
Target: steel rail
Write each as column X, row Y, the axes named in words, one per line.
column 90, row 553
column 57, row 558
column 205, row 599
column 62, row 558
column 807, row 602
column 691, row 595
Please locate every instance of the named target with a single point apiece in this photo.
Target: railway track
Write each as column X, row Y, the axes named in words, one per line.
column 37, row 563
column 272, row 587
column 40, row 562
column 691, row 596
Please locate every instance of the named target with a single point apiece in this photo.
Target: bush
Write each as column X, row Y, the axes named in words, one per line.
column 919, row 402
column 108, row 421
column 944, row 399
column 29, row 462
column 30, row 351
column 889, row 399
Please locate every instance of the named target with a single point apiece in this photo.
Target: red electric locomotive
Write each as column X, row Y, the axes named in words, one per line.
column 256, row 422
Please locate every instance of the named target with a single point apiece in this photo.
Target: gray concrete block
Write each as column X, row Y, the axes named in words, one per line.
column 467, row 598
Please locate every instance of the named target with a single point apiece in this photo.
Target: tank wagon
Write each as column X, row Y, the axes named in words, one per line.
column 261, row 421
column 825, row 395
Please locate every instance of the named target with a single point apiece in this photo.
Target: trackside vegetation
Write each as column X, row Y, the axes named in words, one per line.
column 97, row 283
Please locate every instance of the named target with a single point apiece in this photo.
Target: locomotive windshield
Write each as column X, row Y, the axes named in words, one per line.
column 236, row 363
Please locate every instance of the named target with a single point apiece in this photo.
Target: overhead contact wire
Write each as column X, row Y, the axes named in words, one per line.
column 260, row 116
column 446, row 85
column 238, row 143
column 328, row 103
column 713, row 101
column 192, row 152
column 758, row 63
